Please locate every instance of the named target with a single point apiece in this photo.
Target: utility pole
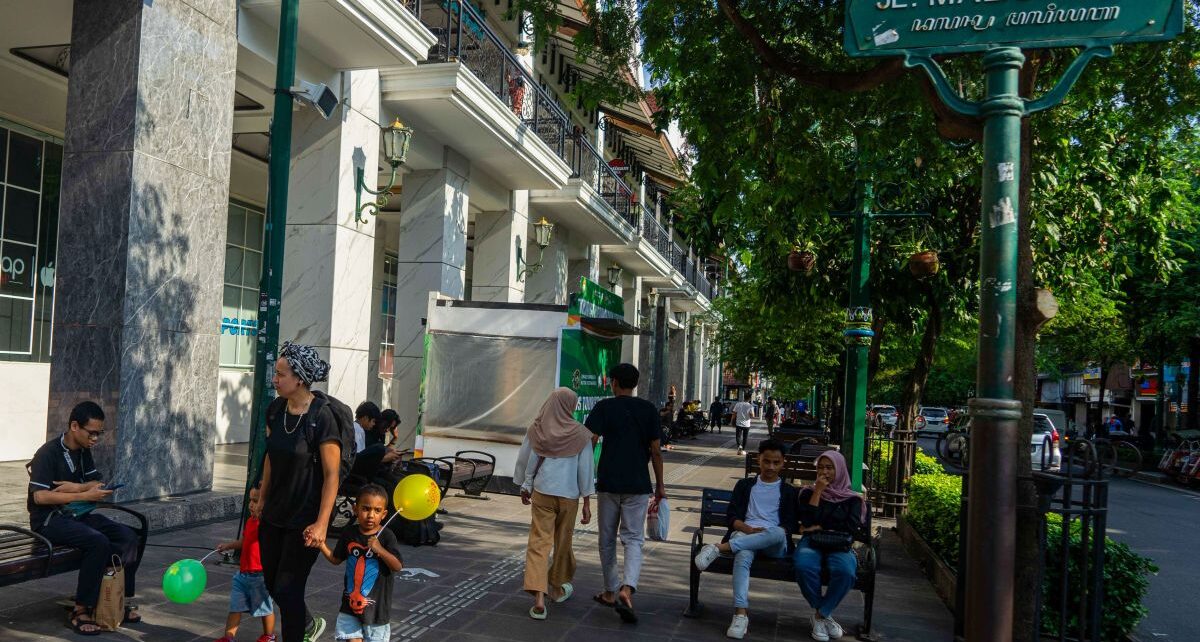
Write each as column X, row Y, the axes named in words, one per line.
column 271, row 282
column 858, row 332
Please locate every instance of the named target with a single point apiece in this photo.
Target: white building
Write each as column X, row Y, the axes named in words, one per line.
column 133, row 171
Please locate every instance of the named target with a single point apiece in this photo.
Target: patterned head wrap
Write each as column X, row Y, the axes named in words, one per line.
column 305, row 362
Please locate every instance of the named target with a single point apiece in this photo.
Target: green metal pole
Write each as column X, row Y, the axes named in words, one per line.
column 271, row 281
column 858, row 340
column 991, row 520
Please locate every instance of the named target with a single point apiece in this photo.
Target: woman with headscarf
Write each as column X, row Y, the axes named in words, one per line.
column 299, row 484
column 830, row 515
column 554, row 468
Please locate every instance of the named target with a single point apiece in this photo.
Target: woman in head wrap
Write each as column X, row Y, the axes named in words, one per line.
column 299, row 484
column 554, row 469
column 831, row 506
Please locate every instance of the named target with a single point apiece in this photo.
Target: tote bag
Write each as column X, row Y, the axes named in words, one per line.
column 110, row 610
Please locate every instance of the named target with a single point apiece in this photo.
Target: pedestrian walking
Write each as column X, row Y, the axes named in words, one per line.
column 554, row 468
column 828, row 510
column 630, row 432
column 771, row 414
column 249, row 591
column 743, row 412
column 716, row 415
column 299, row 484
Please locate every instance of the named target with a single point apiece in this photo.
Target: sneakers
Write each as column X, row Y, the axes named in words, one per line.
column 819, row 632
column 833, row 629
column 316, row 628
column 266, row 637
column 707, row 554
column 741, row 451
column 737, row 628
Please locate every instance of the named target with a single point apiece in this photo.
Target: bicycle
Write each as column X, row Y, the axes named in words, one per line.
column 1120, row 458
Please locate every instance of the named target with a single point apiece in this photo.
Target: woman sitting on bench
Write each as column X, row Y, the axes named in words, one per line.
column 831, row 517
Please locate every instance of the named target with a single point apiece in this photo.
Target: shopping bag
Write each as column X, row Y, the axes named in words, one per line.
column 110, row 610
column 658, row 520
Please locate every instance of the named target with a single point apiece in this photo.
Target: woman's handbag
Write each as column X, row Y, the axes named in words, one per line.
column 110, row 610
column 830, row 541
column 658, row 520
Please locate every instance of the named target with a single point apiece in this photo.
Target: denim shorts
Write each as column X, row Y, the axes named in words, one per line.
column 249, row 595
column 349, row 627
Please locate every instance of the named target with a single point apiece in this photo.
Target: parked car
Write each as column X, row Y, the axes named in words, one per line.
column 932, row 419
column 883, row 416
column 1045, row 434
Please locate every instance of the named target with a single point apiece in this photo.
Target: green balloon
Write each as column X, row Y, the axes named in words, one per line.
column 184, row 581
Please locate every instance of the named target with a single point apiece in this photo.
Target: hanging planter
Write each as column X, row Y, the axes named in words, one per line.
column 801, row 260
column 923, row 264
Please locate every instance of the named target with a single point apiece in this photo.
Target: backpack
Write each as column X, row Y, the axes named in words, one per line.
column 343, row 419
column 424, row 532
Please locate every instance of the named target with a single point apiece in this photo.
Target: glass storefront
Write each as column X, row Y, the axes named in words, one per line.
column 30, row 175
column 387, row 342
column 243, row 268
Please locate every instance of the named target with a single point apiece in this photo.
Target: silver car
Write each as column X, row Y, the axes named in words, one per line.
column 883, row 416
column 933, row 419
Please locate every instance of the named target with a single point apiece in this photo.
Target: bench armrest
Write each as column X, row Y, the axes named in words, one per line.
column 34, row 536
column 488, row 456
column 143, row 529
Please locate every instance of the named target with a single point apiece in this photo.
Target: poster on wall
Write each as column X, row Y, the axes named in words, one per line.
column 586, row 349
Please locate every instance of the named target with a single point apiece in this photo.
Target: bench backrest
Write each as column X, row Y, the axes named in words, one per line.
column 714, row 509
column 796, row 467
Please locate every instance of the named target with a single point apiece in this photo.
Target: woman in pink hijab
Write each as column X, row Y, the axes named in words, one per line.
column 830, row 515
column 554, row 469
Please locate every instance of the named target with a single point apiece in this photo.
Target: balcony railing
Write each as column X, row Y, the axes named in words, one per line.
column 589, row 167
column 655, row 234
column 463, row 35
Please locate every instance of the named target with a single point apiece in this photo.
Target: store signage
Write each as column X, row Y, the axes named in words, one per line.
column 928, row 27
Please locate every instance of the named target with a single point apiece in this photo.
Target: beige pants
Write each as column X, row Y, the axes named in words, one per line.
column 551, row 528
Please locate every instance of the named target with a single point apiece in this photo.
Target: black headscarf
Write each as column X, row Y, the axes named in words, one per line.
column 305, row 361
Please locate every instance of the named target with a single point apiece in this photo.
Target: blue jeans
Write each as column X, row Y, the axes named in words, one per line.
column 842, row 570
column 771, row 542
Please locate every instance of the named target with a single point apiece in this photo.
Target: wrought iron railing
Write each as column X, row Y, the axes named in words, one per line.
column 655, row 234
column 589, row 167
column 463, row 35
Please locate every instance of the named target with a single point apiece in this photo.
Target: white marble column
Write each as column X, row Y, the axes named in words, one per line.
column 329, row 262
column 432, row 258
column 549, row 284
column 631, row 293
column 497, row 237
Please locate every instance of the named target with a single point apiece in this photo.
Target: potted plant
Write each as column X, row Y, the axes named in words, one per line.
column 802, row 258
column 922, row 261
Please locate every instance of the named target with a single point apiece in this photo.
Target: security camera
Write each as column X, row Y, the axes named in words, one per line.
column 317, row 95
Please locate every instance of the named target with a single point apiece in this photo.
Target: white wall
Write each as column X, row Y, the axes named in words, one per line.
column 26, row 389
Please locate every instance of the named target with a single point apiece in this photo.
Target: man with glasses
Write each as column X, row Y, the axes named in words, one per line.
column 64, row 487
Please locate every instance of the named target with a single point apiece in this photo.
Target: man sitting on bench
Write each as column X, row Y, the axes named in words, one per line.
column 762, row 516
column 64, row 486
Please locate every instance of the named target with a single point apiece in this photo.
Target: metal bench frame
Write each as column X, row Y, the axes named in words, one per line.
column 45, row 559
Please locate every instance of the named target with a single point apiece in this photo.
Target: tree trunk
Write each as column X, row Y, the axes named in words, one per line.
column 1193, row 396
column 876, row 345
column 1026, row 582
column 915, row 387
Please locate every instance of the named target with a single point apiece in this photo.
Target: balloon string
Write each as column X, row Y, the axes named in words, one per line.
column 389, row 520
column 209, row 555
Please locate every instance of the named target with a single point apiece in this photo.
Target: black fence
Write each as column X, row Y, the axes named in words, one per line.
column 589, row 167
column 890, row 456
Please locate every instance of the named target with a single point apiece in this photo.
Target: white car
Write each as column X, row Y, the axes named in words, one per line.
column 1045, row 435
column 933, row 419
column 884, row 416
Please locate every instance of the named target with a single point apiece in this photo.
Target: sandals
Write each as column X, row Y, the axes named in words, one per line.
column 625, row 610
column 568, row 590
column 131, row 615
column 599, row 598
column 538, row 616
column 81, row 618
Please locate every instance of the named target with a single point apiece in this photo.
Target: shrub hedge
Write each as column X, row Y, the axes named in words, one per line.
column 934, row 500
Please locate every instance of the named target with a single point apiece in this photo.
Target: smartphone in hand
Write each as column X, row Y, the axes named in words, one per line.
column 111, row 486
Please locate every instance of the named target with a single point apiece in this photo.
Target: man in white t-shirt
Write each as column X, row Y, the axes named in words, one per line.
column 743, row 412
column 762, row 515
column 364, row 421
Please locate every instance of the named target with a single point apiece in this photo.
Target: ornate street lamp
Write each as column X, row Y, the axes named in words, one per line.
column 396, row 139
column 614, row 275
column 543, row 232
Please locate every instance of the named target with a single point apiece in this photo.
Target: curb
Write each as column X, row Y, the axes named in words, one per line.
column 943, row 578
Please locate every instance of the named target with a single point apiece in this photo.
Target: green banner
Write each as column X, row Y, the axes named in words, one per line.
column 584, row 360
column 593, row 300
column 927, row 27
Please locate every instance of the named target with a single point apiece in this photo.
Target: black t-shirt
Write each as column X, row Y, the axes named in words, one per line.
column 368, row 587
column 294, row 496
column 55, row 462
column 628, row 426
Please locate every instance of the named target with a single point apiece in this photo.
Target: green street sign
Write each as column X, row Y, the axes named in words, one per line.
column 928, row 27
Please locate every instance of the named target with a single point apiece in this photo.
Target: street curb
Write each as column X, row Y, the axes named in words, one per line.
column 943, row 578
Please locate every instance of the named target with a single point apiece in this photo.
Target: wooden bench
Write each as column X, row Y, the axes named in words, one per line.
column 26, row 555
column 714, row 505
column 799, row 465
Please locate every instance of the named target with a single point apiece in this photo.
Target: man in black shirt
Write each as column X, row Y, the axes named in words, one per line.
column 630, row 430
column 64, row 487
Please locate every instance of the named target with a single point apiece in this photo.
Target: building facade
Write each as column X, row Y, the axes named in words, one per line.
column 134, row 144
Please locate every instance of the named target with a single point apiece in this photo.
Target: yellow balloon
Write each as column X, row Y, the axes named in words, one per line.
column 416, row 497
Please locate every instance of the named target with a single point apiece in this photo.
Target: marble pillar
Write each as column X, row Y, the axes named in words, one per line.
column 497, row 237
column 660, row 351
column 431, row 258
column 550, row 284
column 677, row 362
column 631, row 294
column 329, row 262
column 142, row 221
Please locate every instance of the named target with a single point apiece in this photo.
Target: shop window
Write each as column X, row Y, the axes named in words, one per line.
column 30, row 175
column 243, row 267
column 387, row 311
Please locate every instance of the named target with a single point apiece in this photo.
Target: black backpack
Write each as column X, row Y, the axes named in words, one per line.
column 424, row 532
column 343, row 419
